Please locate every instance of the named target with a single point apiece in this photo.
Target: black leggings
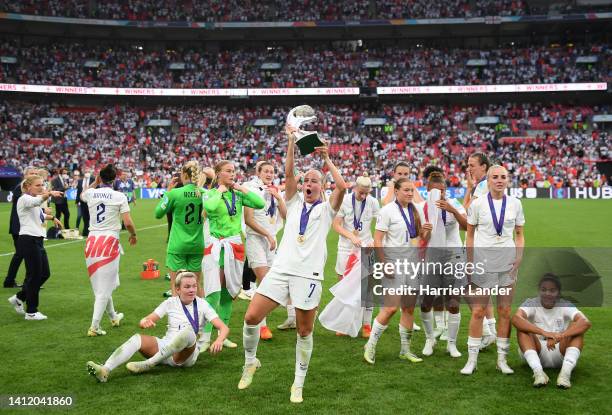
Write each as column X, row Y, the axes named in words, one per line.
column 37, row 269
column 248, row 276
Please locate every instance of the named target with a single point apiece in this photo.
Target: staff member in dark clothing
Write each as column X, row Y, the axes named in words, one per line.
column 60, row 184
column 82, row 185
column 11, row 274
column 30, row 245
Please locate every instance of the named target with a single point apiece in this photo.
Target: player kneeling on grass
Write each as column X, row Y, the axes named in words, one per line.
column 187, row 315
column 550, row 332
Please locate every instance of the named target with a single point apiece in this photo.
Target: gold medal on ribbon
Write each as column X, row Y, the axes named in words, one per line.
column 355, row 232
column 301, row 239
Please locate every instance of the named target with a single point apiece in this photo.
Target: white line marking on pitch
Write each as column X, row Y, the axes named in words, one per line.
column 84, row 239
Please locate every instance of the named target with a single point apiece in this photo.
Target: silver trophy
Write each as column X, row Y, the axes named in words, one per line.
column 306, row 141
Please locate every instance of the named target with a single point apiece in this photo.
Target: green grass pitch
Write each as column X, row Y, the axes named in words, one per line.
column 48, row 357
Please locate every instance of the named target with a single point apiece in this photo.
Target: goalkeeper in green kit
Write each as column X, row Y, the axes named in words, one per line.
column 186, row 242
column 224, row 253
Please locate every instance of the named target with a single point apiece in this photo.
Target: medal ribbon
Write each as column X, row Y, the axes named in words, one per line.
column 498, row 224
column 195, row 320
column 231, row 210
column 306, row 216
column 410, row 225
column 357, row 220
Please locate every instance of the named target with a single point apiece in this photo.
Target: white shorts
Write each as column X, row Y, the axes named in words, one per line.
column 550, row 359
column 493, row 279
column 191, row 360
column 258, row 251
column 304, row 293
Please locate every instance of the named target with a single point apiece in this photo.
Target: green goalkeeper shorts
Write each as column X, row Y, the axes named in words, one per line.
column 190, row 262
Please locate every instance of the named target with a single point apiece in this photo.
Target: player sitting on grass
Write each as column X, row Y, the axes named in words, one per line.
column 187, row 315
column 550, row 332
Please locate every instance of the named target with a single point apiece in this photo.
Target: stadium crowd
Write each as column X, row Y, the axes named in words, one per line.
column 279, row 10
column 107, row 65
column 271, row 10
column 541, row 146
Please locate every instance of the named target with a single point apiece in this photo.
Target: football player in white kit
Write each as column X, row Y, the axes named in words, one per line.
column 400, row 229
column 354, row 225
column 494, row 239
column 476, row 173
column 262, row 225
column 401, row 170
column 550, row 332
column 107, row 209
column 187, row 314
column 298, row 269
column 448, row 249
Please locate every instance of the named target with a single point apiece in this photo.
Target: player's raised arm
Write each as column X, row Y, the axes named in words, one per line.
column 337, row 195
column 290, row 180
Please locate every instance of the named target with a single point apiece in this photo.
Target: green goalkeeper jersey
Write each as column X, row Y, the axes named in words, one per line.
column 186, row 206
column 222, row 224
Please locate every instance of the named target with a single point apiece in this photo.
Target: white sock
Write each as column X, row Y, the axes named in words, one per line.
column 253, row 286
column 533, row 360
column 110, row 309
column 303, row 351
column 183, row 339
column 98, row 311
column 377, row 331
column 491, row 323
column 439, row 319
column 446, row 314
column 503, row 347
column 453, row 327
column 485, row 328
column 291, row 311
column 428, row 321
column 124, row 352
column 405, row 339
column 570, row 359
column 263, row 323
column 250, row 340
column 473, row 347
column 367, row 315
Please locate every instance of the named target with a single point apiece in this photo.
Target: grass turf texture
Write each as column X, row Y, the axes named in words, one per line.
column 48, row 357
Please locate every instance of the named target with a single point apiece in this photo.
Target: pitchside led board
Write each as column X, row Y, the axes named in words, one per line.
column 592, row 193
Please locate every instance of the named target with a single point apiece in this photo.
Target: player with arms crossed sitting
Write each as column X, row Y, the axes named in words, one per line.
column 550, row 332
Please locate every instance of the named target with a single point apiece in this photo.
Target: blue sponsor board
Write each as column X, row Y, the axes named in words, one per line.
column 71, row 194
column 148, row 193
